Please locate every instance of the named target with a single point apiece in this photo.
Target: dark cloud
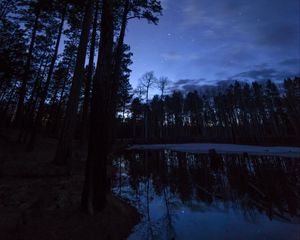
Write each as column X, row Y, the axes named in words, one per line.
column 187, row 84
column 190, row 88
column 261, row 66
column 183, row 82
column 208, row 88
column 291, row 62
column 221, row 74
column 281, row 35
column 262, row 74
column 171, row 56
column 203, row 86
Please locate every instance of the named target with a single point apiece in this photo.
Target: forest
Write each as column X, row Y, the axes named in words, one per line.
column 65, row 76
column 257, row 113
column 42, row 90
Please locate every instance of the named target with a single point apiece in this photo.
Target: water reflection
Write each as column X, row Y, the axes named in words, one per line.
column 210, row 196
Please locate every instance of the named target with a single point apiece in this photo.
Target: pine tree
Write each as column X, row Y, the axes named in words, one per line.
column 64, row 148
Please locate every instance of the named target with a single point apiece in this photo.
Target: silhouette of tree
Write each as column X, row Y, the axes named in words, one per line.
column 63, row 8
column 162, row 83
column 30, row 13
column 146, row 82
column 88, row 82
column 64, row 152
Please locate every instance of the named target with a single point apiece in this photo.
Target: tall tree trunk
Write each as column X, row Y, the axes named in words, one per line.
column 29, row 115
column 22, row 91
column 95, row 186
column 134, row 129
column 63, row 152
column 5, row 108
column 116, row 74
column 41, row 72
column 86, row 101
column 30, row 145
column 56, row 113
column 51, row 124
column 146, row 123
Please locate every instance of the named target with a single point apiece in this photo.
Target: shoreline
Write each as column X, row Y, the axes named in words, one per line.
column 281, row 151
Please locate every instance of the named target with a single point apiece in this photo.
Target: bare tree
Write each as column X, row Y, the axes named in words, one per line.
column 139, row 92
column 146, row 82
column 162, row 83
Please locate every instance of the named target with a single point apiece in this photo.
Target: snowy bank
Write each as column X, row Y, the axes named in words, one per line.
column 223, row 148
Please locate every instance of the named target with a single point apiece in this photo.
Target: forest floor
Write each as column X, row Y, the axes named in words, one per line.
column 41, row 201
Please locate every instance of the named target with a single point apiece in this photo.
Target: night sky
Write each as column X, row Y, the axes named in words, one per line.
column 200, row 42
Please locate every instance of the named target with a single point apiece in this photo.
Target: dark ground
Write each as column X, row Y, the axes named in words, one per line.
column 41, row 201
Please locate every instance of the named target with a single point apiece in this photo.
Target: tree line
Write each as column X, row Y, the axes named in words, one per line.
column 256, row 113
column 64, row 69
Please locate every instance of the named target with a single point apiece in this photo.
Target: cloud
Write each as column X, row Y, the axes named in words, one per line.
column 262, row 74
column 182, row 82
column 202, row 86
column 280, row 35
column 210, row 13
column 174, row 56
column 291, row 62
column 187, row 85
column 245, row 21
column 261, row 66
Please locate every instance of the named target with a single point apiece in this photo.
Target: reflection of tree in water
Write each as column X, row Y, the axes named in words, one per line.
column 268, row 184
column 250, row 184
column 179, row 178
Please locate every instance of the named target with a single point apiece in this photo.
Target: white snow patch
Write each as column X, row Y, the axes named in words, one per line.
column 223, row 148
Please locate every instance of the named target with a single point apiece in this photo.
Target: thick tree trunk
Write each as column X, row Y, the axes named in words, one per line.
column 95, row 186
column 63, row 152
column 30, row 145
column 22, row 91
column 86, row 101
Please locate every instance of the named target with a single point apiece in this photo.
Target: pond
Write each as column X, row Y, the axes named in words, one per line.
column 210, row 196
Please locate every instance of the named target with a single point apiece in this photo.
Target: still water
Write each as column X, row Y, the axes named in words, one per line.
column 201, row 196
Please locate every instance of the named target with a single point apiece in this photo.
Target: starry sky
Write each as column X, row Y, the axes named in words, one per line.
column 201, row 42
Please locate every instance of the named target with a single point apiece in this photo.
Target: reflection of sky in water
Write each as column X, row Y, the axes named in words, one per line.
column 234, row 216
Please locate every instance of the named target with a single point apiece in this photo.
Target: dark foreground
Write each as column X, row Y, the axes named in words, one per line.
column 197, row 196
column 41, row 201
